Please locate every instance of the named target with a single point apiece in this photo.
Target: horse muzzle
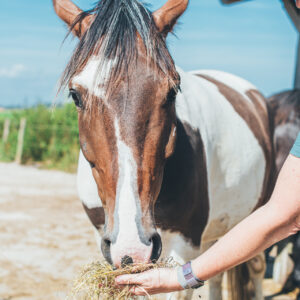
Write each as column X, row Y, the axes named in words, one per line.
column 131, row 250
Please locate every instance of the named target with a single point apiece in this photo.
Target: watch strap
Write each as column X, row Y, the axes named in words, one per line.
column 186, row 277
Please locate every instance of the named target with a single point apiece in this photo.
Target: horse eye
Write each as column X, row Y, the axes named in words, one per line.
column 171, row 97
column 76, row 98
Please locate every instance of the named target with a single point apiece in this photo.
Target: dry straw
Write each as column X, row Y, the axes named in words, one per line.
column 97, row 280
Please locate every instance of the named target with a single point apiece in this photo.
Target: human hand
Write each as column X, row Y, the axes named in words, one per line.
column 151, row 282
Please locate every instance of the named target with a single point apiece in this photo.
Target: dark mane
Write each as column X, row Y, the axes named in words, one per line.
column 113, row 35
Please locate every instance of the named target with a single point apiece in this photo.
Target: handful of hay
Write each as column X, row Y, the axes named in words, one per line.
column 97, row 280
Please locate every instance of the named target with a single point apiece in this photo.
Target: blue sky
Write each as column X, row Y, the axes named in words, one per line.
column 255, row 40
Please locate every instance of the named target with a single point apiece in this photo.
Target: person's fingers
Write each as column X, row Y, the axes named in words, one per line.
column 138, row 291
column 150, row 282
column 128, row 279
column 137, row 279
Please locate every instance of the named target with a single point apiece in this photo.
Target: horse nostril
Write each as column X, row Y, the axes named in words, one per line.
column 156, row 247
column 126, row 260
column 107, row 242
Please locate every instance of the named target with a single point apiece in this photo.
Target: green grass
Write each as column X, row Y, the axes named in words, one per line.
column 6, row 114
column 51, row 137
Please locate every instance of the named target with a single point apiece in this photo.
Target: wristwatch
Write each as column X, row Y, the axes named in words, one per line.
column 186, row 277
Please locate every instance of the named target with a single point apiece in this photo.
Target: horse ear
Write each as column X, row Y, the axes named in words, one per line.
column 68, row 12
column 166, row 17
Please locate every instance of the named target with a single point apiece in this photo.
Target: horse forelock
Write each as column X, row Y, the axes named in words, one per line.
column 118, row 33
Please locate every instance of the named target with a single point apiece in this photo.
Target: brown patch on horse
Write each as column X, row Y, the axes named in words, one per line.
column 97, row 133
column 183, row 202
column 96, row 216
column 255, row 114
column 259, row 102
column 261, row 106
column 285, row 109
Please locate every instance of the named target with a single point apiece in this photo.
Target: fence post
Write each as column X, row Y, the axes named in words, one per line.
column 6, row 130
column 20, row 141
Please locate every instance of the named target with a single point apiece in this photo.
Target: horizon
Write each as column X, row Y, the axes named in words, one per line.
column 254, row 40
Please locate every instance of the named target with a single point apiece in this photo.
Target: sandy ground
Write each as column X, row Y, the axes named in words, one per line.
column 45, row 236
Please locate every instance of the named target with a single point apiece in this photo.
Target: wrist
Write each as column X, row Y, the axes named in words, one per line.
column 174, row 279
column 198, row 270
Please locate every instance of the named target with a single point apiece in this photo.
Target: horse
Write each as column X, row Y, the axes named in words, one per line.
column 170, row 160
column 285, row 113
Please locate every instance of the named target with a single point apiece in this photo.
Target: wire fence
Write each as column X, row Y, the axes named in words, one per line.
column 39, row 135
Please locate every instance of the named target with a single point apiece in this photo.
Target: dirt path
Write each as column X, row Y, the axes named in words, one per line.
column 45, row 236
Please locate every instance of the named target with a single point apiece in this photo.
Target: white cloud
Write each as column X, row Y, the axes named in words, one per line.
column 13, row 71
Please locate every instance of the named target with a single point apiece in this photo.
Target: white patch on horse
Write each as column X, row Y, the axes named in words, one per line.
column 174, row 131
column 239, row 84
column 126, row 210
column 177, row 246
column 235, row 170
column 287, row 130
column 95, row 75
column 86, row 185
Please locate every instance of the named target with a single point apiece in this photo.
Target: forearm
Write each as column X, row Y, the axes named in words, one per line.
column 248, row 238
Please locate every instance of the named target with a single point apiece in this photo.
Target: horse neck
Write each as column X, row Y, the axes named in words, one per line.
column 185, row 182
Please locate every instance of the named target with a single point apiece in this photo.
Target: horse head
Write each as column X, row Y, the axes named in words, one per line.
column 124, row 83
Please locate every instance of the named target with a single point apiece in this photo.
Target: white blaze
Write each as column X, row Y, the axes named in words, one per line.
column 126, row 209
column 95, row 75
